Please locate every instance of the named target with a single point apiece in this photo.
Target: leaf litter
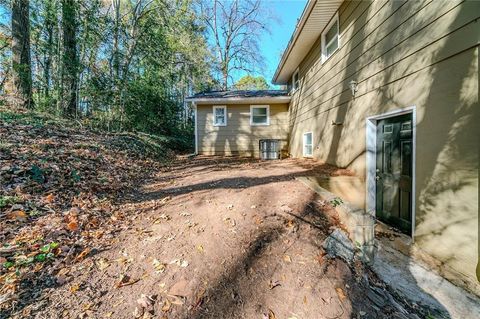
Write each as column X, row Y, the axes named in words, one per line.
column 60, row 202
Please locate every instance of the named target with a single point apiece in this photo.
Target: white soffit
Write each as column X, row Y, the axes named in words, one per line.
column 314, row 19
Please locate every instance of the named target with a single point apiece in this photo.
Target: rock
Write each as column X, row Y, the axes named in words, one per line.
column 339, row 245
column 375, row 296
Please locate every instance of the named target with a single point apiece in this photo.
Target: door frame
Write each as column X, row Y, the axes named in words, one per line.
column 371, row 162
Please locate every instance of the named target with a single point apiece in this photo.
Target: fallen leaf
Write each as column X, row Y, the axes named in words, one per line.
column 159, row 267
column 180, row 262
column 340, row 293
column 270, row 315
column 166, row 306
column 272, row 284
column 83, row 254
column 17, row 214
column 287, row 258
column 49, row 198
column 146, row 302
column 102, row 263
column 74, row 288
column 125, row 280
column 176, row 300
column 165, row 199
column 72, row 226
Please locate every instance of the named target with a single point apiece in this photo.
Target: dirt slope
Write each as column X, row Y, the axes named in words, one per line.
column 90, row 230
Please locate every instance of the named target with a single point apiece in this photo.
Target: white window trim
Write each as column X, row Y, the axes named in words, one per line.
column 324, row 45
column 224, row 107
column 303, row 145
column 257, row 107
column 294, row 89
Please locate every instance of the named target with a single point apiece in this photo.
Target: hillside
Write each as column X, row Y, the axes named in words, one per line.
column 60, row 189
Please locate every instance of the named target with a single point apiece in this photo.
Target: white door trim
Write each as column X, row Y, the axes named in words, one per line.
column 371, row 143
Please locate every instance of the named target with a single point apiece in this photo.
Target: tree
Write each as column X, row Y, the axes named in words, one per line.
column 249, row 82
column 115, row 64
column 21, row 61
column 70, row 58
column 235, row 28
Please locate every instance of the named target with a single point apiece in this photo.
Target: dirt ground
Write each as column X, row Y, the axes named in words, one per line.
column 219, row 238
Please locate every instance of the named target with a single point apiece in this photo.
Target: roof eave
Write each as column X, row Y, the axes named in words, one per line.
column 303, row 18
column 315, row 17
column 240, row 100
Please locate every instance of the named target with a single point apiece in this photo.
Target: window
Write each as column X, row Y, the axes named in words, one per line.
column 307, row 144
column 330, row 39
column 295, row 81
column 259, row 115
column 219, row 116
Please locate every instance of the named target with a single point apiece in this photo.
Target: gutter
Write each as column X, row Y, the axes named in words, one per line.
column 240, row 100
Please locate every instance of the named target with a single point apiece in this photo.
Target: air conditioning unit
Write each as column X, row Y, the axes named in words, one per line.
column 269, row 149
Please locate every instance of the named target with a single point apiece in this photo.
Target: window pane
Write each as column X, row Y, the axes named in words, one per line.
column 331, row 33
column 332, row 47
column 259, row 111
column 295, row 81
column 259, row 119
column 308, row 149
column 219, row 115
column 219, row 119
column 308, row 139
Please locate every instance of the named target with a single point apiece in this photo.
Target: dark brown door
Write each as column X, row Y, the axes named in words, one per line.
column 394, row 172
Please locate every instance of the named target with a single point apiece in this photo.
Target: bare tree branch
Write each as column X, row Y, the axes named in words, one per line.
column 236, row 27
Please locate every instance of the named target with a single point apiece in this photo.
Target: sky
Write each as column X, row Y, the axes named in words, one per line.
column 286, row 12
column 273, row 45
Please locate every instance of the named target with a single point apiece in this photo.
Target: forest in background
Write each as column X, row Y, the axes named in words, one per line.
column 125, row 65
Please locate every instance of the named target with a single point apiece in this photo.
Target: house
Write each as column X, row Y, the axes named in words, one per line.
column 234, row 122
column 390, row 90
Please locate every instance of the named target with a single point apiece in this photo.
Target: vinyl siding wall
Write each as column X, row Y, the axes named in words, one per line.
column 402, row 54
column 239, row 137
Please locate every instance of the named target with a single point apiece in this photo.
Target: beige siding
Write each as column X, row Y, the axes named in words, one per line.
column 402, row 54
column 239, row 137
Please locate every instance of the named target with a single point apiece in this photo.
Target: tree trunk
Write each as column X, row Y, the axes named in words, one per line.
column 49, row 52
column 70, row 58
column 21, row 61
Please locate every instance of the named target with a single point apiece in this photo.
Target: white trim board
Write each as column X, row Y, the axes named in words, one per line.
column 259, row 107
column 196, row 128
column 303, row 144
column 371, row 162
column 225, row 114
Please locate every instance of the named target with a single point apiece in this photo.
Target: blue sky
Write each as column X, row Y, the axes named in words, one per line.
column 273, row 45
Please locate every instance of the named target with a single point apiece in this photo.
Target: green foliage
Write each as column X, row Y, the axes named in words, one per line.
column 135, row 62
column 8, row 200
column 337, row 201
column 37, row 174
column 249, row 82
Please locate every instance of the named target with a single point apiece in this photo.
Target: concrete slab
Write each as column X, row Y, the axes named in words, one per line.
column 396, row 261
column 411, row 280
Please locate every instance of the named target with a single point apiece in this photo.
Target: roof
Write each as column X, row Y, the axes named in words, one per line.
column 241, row 96
column 315, row 17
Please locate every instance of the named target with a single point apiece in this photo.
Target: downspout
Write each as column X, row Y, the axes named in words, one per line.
column 196, row 129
